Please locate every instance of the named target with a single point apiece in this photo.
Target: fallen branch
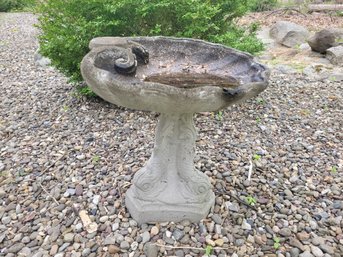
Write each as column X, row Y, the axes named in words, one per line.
column 236, row 198
column 250, row 171
column 53, row 198
column 53, row 164
column 285, row 10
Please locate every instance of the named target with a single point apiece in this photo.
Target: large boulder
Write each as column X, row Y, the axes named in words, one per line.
column 288, row 33
column 335, row 55
column 324, row 39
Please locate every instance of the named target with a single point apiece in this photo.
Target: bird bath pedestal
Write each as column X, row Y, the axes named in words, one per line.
column 177, row 78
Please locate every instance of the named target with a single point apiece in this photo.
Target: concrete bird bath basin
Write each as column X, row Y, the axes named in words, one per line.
column 177, row 78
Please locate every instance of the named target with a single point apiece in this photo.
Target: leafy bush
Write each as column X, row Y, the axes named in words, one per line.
column 68, row 25
column 262, row 5
column 8, row 5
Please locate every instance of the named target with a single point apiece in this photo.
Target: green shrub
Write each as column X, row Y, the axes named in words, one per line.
column 68, row 25
column 9, row 5
column 262, row 5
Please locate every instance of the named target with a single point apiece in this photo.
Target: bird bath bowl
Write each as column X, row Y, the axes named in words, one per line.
column 176, row 77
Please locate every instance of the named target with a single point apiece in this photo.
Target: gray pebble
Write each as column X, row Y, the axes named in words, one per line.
column 109, row 240
column 317, row 240
column 25, row 239
column 96, row 199
column 124, row 245
column 15, row 248
column 316, row 251
column 115, row 226
column 216, row 218
column 6, row 220
column 285, row 232
column 69, row 237
column 306, row 254
column 245, row 225
column 63, row 247
column 179, row 253
column 150, row 250
column 338, row 204
column 178, row 234
column 24, row 252
column 294, row 252
column 327, row 248
column 78, row 227
column 232, row 206
column 145, row 237
column 86, row 252
column 239, row 242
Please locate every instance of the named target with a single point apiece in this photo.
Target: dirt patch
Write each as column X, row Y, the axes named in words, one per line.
column 313, row 21
column 299, row 59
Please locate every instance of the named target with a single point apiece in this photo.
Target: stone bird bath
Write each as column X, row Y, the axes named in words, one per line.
column 177, row 78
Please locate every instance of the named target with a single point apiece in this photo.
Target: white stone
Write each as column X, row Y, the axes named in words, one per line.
column 96, row 199
column 246, row 225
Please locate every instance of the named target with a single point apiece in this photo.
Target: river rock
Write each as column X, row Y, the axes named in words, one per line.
column 288, row 33
column 335, row 55
column 150, row 250
column 15, row 248
column 316, row 251
column 306, row 254
column 325, row 39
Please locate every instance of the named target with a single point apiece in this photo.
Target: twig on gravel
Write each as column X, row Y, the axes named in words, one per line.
column 250, row 171
column 126, row 184
column 284, row 10
column 53, row 198
column 188, row 247
column 53, row 164
column 225, row 192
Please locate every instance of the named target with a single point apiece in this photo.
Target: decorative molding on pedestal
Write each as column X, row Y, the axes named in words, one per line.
column 168, row 187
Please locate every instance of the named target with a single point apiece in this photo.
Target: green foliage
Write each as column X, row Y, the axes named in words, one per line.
column 250, row 200
column 334, row 169
column 219, row 115
column 260, row 100
column 262, row 5
column 86, row 91
column 95, row 159
column 276, row 243
column 9, row 5
column 208, row 250
column 256, row 157
column 68, row 25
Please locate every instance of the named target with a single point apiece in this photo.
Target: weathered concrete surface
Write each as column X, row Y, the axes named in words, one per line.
column 182, row 77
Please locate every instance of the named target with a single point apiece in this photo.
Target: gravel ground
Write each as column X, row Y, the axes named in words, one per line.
column 61, row 154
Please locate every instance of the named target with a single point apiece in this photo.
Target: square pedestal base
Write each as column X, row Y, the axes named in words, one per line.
column 147, row 211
